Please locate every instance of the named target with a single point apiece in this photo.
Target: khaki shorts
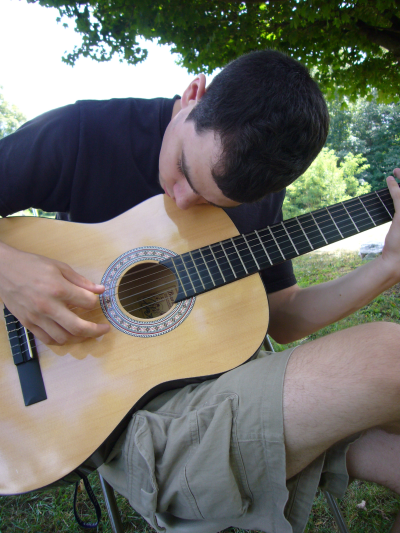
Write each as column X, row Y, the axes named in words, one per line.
column 211, row 456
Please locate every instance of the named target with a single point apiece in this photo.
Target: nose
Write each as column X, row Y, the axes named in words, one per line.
column 185, row 197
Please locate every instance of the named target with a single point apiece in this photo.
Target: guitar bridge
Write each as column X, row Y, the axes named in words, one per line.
column 24, row 352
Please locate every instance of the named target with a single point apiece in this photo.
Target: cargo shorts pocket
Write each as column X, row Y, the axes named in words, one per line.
column 139, row 458
column 188, row 464
column 214, row 479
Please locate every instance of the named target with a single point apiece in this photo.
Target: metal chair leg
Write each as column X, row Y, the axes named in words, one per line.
column 112, row 507
column 341, row 524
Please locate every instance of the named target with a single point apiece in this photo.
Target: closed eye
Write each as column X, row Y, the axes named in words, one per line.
column 179, row 165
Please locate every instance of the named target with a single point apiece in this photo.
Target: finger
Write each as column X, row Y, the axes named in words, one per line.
column 41, row 334
column 79, row 328
column 50, row 332
column 71, row 275
column 394, row 191
column 77, row 297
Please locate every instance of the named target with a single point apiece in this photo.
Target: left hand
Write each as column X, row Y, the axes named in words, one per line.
column 391, row 250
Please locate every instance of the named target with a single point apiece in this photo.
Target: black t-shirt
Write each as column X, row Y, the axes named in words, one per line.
column 94, row 160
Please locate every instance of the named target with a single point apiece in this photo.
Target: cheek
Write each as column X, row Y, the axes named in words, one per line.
column 168, row 154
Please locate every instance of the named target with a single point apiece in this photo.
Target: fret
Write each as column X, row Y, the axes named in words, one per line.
column 263, row 247
column 380, row 199
column 359, row 214
column 375, row 209
column 333, row 220
column 247, row 260
column 327, row 225
column 251, row 251
column 235, row 259
column 258, row 259
column 358, row 231
column 342, row 220
column 206, row 268
column 227, row 258
column 213, row 266
column 296, row 241
column 240, row 257
column 203, row 270
column 362, row 203
column 276, row 242
column 216, row 262
column 284, row 240
column 179, row 277
column 184, row 281
column 197, row 270
column 311, row 229
column 305, row 234
column 274, row 253
column 319, row 229
column 224, row 262
column 290, row 238
column 191, row 272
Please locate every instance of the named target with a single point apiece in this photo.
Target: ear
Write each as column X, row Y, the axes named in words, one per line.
column 194, row 92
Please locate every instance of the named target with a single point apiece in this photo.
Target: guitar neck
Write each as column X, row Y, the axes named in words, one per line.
column 220, row 263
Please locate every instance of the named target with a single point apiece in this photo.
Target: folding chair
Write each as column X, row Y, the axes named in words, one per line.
column 115, row 519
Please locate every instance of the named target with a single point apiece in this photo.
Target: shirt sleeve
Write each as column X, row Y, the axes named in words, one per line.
column 37, row 162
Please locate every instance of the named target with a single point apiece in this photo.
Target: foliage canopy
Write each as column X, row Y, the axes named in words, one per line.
column 352, row 45
column 326, row 182
column 10, row 117
column 369, row 128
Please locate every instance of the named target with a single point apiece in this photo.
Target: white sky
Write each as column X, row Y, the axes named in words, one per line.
column 35, row 79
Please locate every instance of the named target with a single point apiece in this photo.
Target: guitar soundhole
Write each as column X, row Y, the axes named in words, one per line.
column 147, row 290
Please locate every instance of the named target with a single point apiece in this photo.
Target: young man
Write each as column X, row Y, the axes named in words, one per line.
column 218, row 454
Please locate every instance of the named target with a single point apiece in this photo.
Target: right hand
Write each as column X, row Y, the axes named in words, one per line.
column 41, row 292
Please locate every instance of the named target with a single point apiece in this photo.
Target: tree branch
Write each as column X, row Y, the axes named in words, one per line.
column 385, row 37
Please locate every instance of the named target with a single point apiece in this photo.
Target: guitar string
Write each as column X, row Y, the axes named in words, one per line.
column 244, row 250
column 248, row 253
column 42, row 351
column 278, row 232
column 230, row 250
column 152, row 295
column 245, row 254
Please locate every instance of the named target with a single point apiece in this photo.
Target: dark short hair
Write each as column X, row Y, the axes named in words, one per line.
column 271, row 118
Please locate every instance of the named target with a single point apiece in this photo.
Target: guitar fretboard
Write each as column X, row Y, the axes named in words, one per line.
column 223, row 262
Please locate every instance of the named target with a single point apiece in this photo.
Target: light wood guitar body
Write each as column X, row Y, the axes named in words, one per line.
column 92, row 386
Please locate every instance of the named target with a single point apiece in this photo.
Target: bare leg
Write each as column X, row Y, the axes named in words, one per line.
column 376, row 457
column 337, row 386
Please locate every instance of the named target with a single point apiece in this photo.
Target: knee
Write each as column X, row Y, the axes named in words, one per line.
column 382, row 340
column 384, row 336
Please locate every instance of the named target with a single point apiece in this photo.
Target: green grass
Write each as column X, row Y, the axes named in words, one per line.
column 51, row 512
column 319, row 267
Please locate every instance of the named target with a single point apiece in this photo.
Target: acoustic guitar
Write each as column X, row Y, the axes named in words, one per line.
column 181, row 309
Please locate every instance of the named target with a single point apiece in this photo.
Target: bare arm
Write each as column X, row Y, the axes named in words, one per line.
column 40, row 292
column 296, row 313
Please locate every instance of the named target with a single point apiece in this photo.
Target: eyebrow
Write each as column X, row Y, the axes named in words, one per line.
column 186, row 173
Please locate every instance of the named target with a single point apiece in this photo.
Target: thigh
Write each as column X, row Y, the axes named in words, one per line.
column 337, row 386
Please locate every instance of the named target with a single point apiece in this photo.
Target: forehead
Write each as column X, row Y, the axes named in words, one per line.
column 200, row 153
